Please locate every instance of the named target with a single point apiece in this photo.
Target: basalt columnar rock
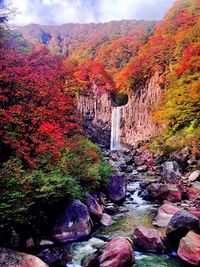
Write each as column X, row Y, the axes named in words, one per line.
column 148, row 240
column 10, row 258
column 136, row 123
column 117, row 187
column 116, row 253
column 74, row 224
column 189, row 248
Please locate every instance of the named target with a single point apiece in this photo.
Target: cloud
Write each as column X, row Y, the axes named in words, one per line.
column 84, row 11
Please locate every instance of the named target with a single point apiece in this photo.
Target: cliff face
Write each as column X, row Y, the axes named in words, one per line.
column 136, row 123
column 96, row 109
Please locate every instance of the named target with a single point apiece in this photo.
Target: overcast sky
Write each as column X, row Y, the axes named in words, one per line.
column 84, row 11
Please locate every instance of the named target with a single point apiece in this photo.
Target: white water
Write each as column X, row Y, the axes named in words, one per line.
column 115, row 129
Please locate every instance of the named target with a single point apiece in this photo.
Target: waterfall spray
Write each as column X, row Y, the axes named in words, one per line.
column 115, row 129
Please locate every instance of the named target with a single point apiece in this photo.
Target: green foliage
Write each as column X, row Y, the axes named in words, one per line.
column 83, row 160
column 80, row 169
column 14, row 192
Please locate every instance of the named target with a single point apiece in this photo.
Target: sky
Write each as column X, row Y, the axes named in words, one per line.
column 58, row 12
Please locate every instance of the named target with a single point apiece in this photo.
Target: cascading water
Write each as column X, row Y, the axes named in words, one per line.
column 115, row 129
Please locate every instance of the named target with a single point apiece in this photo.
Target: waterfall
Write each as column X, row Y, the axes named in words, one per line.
column 115, row 129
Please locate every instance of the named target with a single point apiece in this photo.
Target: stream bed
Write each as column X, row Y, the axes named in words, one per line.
column 134, row 212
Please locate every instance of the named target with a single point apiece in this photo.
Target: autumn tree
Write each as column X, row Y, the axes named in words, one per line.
column 36, row 110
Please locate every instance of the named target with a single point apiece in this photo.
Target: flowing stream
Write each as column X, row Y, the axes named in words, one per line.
column 134, row 212
column 115, row 128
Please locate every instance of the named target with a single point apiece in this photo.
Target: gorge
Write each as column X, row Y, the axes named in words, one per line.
column 99, row 142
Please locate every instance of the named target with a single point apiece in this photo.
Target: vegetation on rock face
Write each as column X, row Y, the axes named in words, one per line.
column 173, row 51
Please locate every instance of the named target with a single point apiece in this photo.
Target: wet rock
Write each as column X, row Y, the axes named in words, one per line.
column 123, row 209
column 117, row 188
column 138, row 161
column 130, row 188
column 164, row 215
column 144, row 194
column 142, row 168
column 194, row 191
column 129, row 169
column 174, row 194
column 11, row 258
column 194, row 176
column 116, row 253
column 157, row 191
column 93, row 206
column 146, row 155
column 128, row 160
column 45, row 243
column 102, row 198
column 74, row 224
column 111, row 209
column 114, row 155
column 189, row 248
column 181, row 157
column 148, row 240
column 106, row 219
column 171, row 170
column 180, row 224
column 120, row 165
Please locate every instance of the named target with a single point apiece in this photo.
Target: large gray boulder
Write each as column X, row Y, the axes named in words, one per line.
column 74, row 224
column 117, row 187
column 11, row 258
column 171, row 170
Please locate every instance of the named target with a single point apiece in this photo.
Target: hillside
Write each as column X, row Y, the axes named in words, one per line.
column 113, row 43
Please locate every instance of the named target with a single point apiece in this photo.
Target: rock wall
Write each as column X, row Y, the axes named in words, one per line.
column 96, row 109
column 136, row 123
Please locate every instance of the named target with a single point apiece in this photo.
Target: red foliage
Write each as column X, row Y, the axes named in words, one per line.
column 36, row 109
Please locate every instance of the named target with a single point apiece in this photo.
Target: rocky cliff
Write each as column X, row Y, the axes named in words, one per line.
column 136, row 123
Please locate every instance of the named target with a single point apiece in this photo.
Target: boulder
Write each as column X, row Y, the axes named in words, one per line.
column 189, row 248
column 106, row 219
column 157, row 191
column 174, row 194
column 74, row 224
column 194, row 176
column 194, row 191
column 147, row 155
column 93, row 206
column 116, row 253
column 129, row 169
column 171, row 170
column 142, row 168
column 117, row 188
column 111, row 208
column 148, row 240
column 138, row 161
column 180, row 224
column 181, row 157
column 164, row 215
column 11, row 258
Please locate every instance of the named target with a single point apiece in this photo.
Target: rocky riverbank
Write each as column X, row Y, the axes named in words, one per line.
column 169, row 188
